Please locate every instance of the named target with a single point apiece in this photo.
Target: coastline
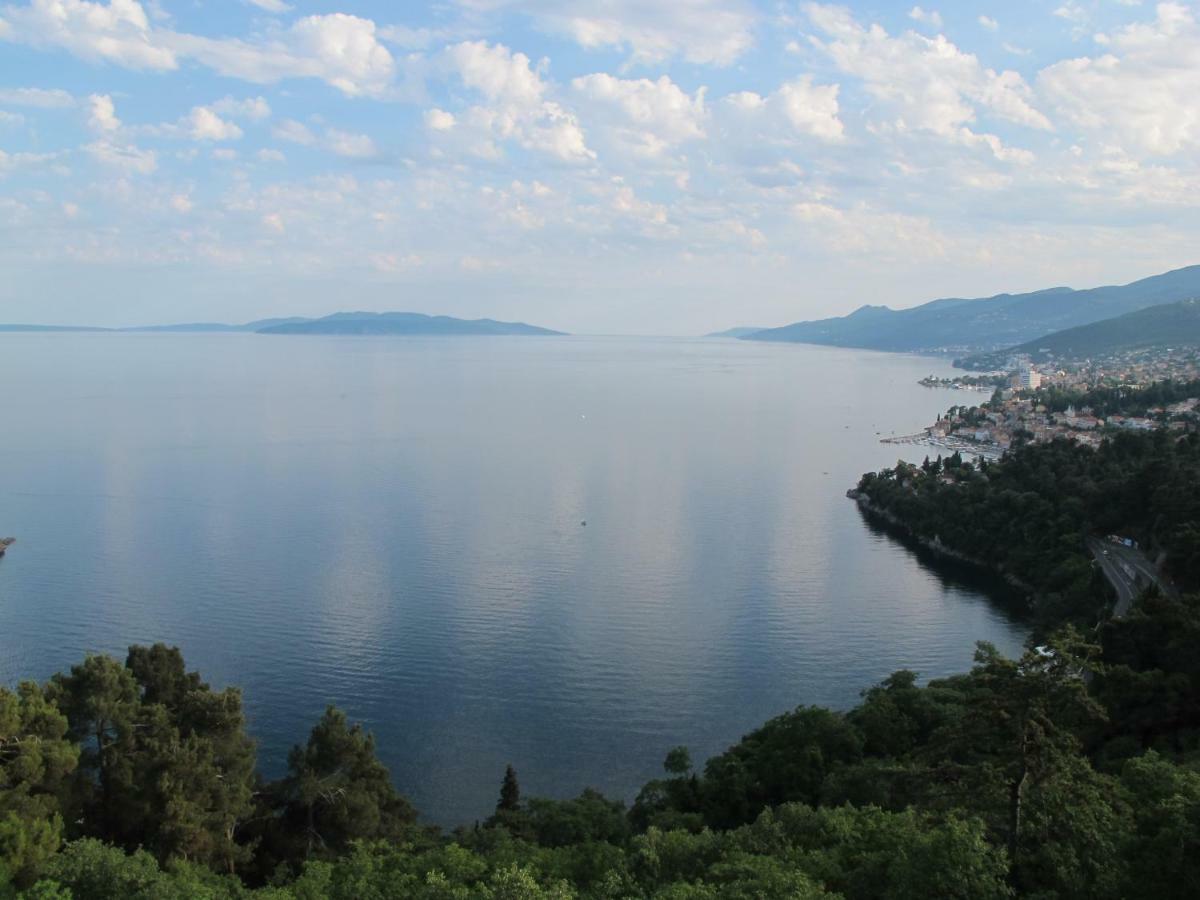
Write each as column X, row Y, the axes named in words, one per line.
column 938, row 548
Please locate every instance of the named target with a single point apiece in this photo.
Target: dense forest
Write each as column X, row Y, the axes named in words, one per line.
column 1069, row 773
column 1072, row 772
column 1028, row 514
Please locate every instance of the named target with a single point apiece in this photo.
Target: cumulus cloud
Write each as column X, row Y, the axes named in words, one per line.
column 989, row 23
column 102, row 115
column 439, row 119
column 811, row 108
column 651, row 31
column 117, row 32
column 1142, row 91
column 350, row 145
column 648, row 117
column 203, row 124
column 338, row 48
column 925, row 84
column 341, row 49
column 515, row 108
column 253, row 108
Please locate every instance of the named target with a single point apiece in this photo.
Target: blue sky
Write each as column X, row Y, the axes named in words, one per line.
column 621, row 166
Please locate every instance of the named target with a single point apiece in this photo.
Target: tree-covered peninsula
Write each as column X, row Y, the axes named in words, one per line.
column 1028, row 515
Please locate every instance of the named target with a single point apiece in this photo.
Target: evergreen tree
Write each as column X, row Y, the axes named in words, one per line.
column 336, row 791
column 100, row 700
column 36, row 759
column 166, row 764
column 510, row 792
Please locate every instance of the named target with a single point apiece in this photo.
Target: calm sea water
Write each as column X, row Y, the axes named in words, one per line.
column 397, row 526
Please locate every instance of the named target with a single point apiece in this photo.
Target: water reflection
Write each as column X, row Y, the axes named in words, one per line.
column 395, row 526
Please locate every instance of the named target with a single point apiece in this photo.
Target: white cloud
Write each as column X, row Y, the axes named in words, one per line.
column 652, row 31
column 270, row 155
column 44, row 98
column 497, row 72
column 648, row 117
column 102, row 115
column 928, row 17
column 126, row 157
column 202, row 124
column 273, row 222
column 1141, row 92
column 811, row 108
column 253, row 108
column 516, row 108
column 341, row 49
column 989, row 23
column 353, row 146
column 295, row 132
column 1072, row 11
column 925, row 84
column 118, row 31
column 439, row 119
column 11, row 119
column 342, row 143
column 181, row 203
column 12, row 161
column 271, row 6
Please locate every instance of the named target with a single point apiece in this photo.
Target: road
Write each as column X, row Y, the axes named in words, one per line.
column 1128, row 571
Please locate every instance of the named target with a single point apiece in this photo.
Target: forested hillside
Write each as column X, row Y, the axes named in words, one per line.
column 1027, row 515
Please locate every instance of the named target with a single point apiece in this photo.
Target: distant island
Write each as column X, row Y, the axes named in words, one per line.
column 404, row 323
column 365, row 323
column 988, row 324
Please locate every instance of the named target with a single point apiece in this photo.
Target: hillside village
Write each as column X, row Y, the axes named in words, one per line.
column 1040, row 403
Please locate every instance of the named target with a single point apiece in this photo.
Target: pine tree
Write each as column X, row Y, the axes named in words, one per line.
column 510, row 792
column 337, row 791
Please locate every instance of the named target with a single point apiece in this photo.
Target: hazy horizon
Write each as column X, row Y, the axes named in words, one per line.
column 176, row 323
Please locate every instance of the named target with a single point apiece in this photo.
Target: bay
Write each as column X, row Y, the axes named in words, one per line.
column 570, row 554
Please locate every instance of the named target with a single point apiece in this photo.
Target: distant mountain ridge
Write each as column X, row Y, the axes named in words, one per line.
column 338, row 323
column 1173, row 325
column 990, row 323
column 404, row 323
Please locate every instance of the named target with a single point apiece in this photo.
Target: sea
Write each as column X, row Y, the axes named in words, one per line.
column 570, row 554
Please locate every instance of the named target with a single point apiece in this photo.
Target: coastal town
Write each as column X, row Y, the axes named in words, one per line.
column 1081, row 401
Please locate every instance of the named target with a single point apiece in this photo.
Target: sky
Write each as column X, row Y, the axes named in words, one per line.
column 599, row 166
